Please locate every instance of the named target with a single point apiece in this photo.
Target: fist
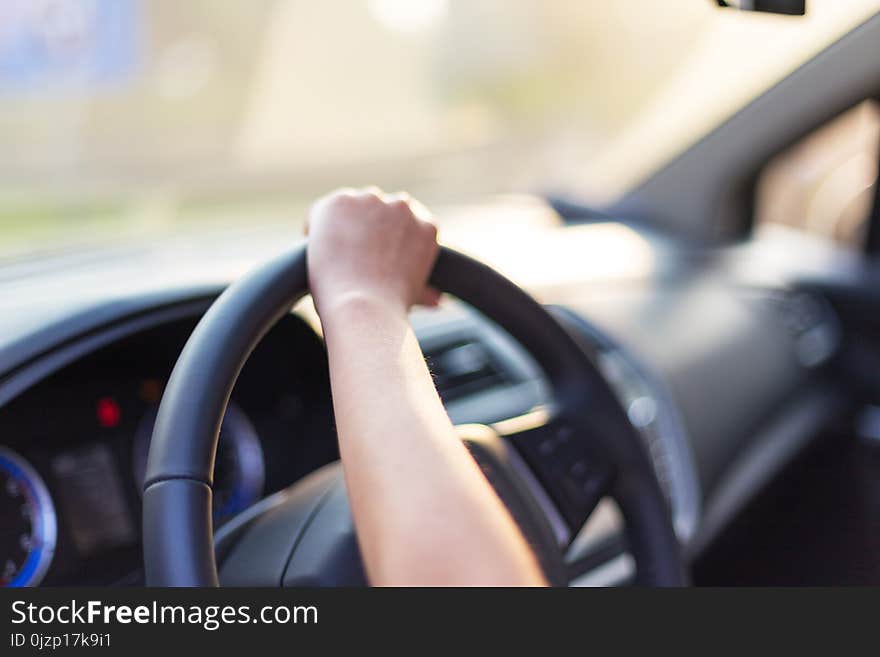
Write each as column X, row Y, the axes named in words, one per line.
column 365, row 244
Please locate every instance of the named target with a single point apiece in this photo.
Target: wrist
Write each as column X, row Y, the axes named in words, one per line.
column 360, row 305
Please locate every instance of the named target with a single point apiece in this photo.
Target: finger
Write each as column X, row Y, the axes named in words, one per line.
column 430, row 297
column 372, row 190
column 329, row 197
column 325, row 199
column 430, row 229
column 420, row 211
column 339, row 191
column 416, row 207
column 399, row 196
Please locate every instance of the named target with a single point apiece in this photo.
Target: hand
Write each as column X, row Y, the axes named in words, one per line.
column 367, row 245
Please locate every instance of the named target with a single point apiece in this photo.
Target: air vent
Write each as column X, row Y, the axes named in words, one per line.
column 463, row 368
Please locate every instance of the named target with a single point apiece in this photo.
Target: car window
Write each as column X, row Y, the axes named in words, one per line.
column 825, row 183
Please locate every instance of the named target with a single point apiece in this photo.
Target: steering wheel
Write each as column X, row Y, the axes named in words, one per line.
column 581, row 450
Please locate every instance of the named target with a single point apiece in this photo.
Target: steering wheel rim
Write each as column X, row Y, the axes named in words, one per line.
column 177, row 521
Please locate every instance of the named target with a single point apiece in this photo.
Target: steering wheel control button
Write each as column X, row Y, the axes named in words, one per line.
column 564, row 434
column 579, row 469
column 573, row 474
column 547, row 447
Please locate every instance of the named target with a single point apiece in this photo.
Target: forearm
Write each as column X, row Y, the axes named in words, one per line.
column 423, row 511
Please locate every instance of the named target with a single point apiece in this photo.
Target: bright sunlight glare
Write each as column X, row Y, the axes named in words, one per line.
column 408, row 16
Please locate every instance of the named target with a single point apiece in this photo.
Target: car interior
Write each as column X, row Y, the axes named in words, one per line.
column 672, row 383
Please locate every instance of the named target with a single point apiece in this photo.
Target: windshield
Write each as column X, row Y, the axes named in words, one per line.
column 122, row 118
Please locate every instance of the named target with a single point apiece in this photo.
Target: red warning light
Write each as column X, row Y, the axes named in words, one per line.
column 107, row 412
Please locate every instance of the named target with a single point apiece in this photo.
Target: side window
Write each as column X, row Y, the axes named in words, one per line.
column 825, row 183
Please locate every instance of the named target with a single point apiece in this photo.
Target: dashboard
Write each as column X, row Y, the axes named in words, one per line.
column 723, row 379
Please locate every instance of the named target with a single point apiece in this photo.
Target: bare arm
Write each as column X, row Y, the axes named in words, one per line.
column 424, row 513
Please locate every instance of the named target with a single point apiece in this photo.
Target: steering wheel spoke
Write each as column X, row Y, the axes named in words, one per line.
column 574, row 474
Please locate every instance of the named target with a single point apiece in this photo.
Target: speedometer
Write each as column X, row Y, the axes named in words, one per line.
column 28, row 525
column 239, row 469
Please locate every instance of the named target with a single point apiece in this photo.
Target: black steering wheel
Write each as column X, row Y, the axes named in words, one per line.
column 581, row 450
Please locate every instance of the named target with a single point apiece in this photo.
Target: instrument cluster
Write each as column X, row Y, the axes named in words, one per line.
column 74, row 448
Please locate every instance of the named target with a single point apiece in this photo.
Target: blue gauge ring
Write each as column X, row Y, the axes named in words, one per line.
column 44, row 524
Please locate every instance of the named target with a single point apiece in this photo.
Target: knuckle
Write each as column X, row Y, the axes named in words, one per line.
column 340, row 200
column 338, row 195
column 400, row 207
column 370, row 195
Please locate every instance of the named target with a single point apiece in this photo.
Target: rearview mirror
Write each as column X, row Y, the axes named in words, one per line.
column 788, row 7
